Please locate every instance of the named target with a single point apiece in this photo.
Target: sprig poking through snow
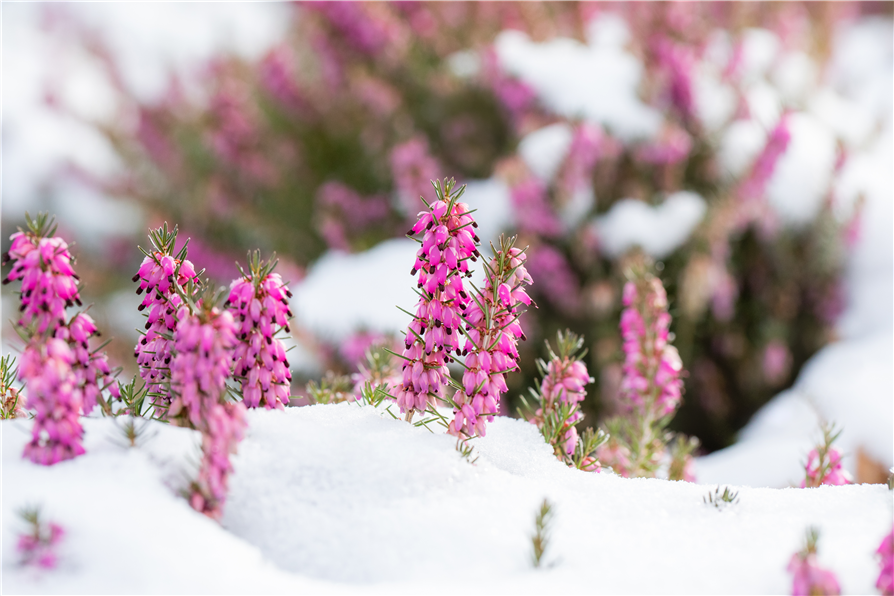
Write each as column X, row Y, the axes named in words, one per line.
column 38, row 545
column 556, row 407
column 809, row 578
column 540, row 540
column 824, row 462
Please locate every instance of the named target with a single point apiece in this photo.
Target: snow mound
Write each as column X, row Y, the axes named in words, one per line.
column 607, row 95
column 657, row 230
column 345, row 498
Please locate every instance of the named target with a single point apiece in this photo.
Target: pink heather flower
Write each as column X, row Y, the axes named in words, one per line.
column 516, row 96
column 224, row 428
column 885, row 582
column 754, row 186
column 532, row 210
column 777, row 361
column 562, row 388
column 38, row 546
column 587, row 144
column 202, row 358
column 279, row 80
column 558, row 281
column 672, row 147
column 259, row 301
column 203, row 352
column 341, row 209
column 46, row 369
column 412, row 168
column 63, row 376
column 615, row 455
column 809, row 579
column 448, row 242
column 357, row 26
column 162, row 276
column 492, row 333
column 652, row 367
column 824, row 463
column 678, row 61
column 49, row 283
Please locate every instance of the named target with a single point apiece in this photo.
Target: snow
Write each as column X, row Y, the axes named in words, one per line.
column 801, row 179
column 607, row 95
column 741, row 143
column 342, row 498
column 657, row 230
column 544, row 150
column 345, row 292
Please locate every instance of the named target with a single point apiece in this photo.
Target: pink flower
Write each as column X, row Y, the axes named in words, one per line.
column 824, row 463
column 162, row 277
column 754, row 186
column 533, row 212
column 38, row 546
column 809, row 579
column 63, row 376
column 446, row 234
column 259, row 301
column 492, row 332
column 203, row 350
column 412, row 168
column 652, row 367
column 885, row 582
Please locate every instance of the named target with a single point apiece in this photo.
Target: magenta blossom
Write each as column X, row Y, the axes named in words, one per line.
column 809, row 579
column 448, row 242
column 37, row 547
column 824, row 463
column 162, row 277
column 203, row 351
column 652, row 366
column 492, row 332
column 259, row 301
column 885, row 582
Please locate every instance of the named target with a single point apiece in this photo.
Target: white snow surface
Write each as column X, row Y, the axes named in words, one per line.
column 657, row 230
column 343, row 498
column 607, row 94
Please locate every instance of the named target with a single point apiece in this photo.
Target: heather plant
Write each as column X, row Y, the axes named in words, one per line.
column 162, row 275
column 540, row 540
column 201, row 363
column 63, row 376
column 555, row 406
column 447, row 244
column 260, row 302
column 651, row 386
column 492, row 332
column 823, row 464
column 721, row 500
column 809, row 578
column 37, row 546
column 331, row 389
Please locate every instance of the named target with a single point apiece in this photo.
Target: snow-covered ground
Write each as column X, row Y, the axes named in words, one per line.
column 343, row 498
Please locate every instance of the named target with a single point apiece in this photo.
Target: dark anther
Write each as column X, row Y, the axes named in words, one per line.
column 139, row 291
column 141, row 307
column 135, row 277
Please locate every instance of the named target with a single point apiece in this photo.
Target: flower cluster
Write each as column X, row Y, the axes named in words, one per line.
column 49, row 283
column 556, row 409
column 824, row 463
column 447, row 244
column 492, row 333
column 46, row 368
column 259, row 301
column 62, row 375
column 38, row 545
column 650, row 388
column 224, row 428
column 652, row 366
column 885, row 582
column 809, row 578
column 162, row 276
column 204, row 343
